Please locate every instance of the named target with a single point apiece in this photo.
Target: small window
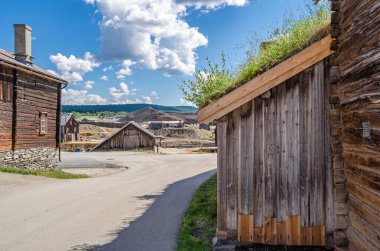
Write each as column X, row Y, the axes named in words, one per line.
column 1, row 91
column 5, row 91
column 8, row 92
column 43, row 123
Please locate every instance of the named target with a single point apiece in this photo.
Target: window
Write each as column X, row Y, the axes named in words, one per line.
column 5, row 91
column 8, row 92
column 43, row 123
column 1, row 91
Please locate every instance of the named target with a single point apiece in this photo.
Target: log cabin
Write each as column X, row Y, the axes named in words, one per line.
column 131, row 136
column 299, row 145
column 70, row 130
column 30, row 103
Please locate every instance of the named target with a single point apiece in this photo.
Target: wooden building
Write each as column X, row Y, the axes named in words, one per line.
column 275, row 182
column 131, row 136
column 30, row 101
column 355, row 26
column 69, row 130
column 299, row 146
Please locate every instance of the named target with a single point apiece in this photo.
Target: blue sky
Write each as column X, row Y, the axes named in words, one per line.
column 138, row 51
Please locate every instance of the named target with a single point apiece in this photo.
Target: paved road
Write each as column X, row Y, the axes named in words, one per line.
column 136, row 209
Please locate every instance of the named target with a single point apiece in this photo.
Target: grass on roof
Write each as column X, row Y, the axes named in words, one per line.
column 215, row 80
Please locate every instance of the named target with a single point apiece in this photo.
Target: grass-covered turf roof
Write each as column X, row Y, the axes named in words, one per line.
column 214, row 81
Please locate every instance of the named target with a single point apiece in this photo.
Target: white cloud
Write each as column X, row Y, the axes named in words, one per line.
column 126, row 70
column 154, row 95
column 81, row 97
column 147, row 100
column 72, row 68
column 104, row 78
column 153, row 33
column 109, row 68
column 89, row 84
column 119, row 96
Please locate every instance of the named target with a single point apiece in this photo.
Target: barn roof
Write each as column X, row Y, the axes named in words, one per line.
column 139, row 127
column 7, row 58
column 266, row 81
column 65, row 118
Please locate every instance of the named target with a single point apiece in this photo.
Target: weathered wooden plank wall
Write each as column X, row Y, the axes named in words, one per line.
column 6, row 110
column 35, row 96
column 30, row 96
column 356, row 25
column 128, row 138
column 273, row 164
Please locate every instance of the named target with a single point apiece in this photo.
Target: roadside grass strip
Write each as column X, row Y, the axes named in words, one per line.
column 56, row 174
column 199, row 223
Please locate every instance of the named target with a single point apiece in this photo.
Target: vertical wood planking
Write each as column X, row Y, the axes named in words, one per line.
column 317, row 146
column 277, row 163
column 221, row 176
column 303, row 154
column 233, row 146
column 329, row 194
column 258, row 168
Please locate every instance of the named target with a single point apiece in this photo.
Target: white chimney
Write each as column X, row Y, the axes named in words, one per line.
column 23, row 43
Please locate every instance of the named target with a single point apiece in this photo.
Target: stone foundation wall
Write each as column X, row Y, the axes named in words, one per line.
column 35, row 158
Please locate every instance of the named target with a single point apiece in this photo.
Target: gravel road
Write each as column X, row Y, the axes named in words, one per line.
column 139, row 208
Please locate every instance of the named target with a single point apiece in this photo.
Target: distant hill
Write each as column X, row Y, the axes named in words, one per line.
column 148, row 114
column 127, row 107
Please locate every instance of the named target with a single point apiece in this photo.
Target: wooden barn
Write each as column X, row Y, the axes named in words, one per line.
column 274, row 159
column 69, row 130
column 30, row 101
column 131, row 136
column 299, row 145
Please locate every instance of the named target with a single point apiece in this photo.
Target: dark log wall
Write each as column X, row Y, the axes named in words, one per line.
column 357, row 29
column 72, row 128
column 32, row 96
column 128, row 138
column 274, row 165
column 6, row 110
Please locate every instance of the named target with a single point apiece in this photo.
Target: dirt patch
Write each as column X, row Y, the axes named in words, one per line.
column 93, row 132
column 184, row 133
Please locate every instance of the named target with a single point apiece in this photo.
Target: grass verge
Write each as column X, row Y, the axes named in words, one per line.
column 56, row 174
column 199, row 223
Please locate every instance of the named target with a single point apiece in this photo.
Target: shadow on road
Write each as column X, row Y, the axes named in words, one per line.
column 158, row 228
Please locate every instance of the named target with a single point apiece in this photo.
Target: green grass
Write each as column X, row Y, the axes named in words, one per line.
column 216, row 80
column 199, row 223
column 56, row 174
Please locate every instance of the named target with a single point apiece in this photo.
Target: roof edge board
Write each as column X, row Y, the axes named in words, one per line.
column 266, row 81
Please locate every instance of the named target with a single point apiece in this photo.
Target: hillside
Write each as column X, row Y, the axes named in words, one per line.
column 126, row 107
column 148, row 114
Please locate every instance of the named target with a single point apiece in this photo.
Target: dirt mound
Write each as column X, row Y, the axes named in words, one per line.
column 184, row 133
column 93, row 132
column 148, row 114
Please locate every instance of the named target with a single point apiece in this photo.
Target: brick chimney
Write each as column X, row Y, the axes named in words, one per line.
column 23, row 43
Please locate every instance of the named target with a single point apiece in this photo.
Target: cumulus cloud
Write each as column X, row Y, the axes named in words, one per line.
column 72, row 68
column 81, row 97
column 146, row 100
column 153, row 33
column 126, row 70
column 89, row 84
column 119, row 95
column 104, row 78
